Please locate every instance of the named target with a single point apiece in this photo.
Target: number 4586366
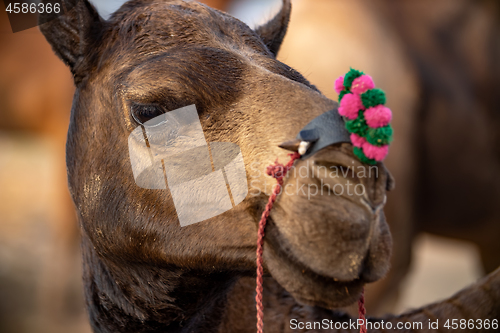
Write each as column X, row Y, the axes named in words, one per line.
column 33, row 8
column 485, row 324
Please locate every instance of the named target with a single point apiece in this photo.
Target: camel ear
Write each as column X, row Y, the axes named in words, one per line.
column 274, row 31
column 73, row 33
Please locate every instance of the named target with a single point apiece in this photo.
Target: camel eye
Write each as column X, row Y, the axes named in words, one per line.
column 145, row 112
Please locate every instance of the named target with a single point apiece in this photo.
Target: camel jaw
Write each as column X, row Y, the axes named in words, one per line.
column 308, row 287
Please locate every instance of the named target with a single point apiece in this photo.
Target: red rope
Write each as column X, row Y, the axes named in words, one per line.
column 279, row 172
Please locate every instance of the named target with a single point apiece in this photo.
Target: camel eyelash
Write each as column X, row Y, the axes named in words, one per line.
column 143, row 113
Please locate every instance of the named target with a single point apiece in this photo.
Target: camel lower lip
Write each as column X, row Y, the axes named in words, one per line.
column 304, row 284
column 332, row 279
column 353, row 290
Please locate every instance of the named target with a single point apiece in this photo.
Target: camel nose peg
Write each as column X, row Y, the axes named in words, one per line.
column 302, row 143
column 324, row 130
column 296, row 146
column 292, row 145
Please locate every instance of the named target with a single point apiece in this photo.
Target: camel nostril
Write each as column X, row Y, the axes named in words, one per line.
column 374, row 207
column 380, row 206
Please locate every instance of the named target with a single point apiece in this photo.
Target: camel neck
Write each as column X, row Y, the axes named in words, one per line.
column 141, row 298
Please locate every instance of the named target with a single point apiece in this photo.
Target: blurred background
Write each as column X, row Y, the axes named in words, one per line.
column 412, row 49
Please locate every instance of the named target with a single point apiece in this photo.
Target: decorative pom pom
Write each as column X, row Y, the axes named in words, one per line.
column 350, row 76
column 342, row 94
column 367, row 117
column 378, row 116
column 380, row 136
column 357, row 125
column 339, row 84
column 373, row 97
column 362, row 157
column 362, row 84
column 350, row 106
column 377, row 153
column 357, row 141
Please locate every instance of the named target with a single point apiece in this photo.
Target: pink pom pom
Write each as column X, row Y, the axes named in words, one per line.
column 378, row 116
column 339, row 84
column 357, row 141
column 377, row 153
column 350, row 106
column 362, row 84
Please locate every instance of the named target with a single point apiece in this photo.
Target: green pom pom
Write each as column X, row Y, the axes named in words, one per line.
column 362, row 157
column 373, row 97
column 380, row 136
column 351, row 76
column 358, row 125
column 342, row 93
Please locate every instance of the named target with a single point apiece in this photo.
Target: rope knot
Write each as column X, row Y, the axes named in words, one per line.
column 278, row 170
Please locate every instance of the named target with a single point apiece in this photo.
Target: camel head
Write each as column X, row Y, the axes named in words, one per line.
column 327, row 235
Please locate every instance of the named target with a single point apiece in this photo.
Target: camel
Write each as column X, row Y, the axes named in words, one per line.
column 143, row 272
